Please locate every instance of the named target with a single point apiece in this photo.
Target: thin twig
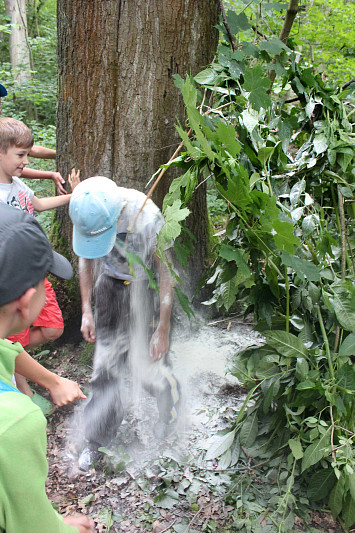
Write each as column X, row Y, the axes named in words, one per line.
column 332, row 434
column 169, row 526
column 225, row 22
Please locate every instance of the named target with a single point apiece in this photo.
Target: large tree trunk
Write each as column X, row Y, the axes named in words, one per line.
column 117, row 103
column 19, row 48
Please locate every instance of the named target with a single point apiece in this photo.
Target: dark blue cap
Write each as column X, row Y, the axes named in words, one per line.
column 3, row 91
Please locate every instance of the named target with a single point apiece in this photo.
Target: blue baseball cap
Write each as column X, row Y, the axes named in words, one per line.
column 94, row 208
column 3, row 91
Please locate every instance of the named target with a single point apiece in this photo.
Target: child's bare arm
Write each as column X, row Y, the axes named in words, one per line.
column 42, row 204
column 62, row 390
column 42, row 152
column 56, row 177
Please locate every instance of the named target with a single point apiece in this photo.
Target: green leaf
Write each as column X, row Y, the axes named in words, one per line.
column 174, row 214
column 230, row 253
column 296, row 448
column 228, row 292
column 348, row 511
column 249, row 430
column 237, row 22
column 344, row 310
column 220, row 444
column 184, row 302
column 207, row 77
column 227, row 136
column 265, row 153
column 285, row 343
column 303, row 268
column 87, row 499
column 167, row 499
column 320, row 143
column 316, row 451
column 336, row 497
column 320, row 484
column 284, row 237
column 273, row 46
column 346, row 377
column 348, row 346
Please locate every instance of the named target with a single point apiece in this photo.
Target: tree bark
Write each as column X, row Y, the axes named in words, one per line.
column 19, row 47
column 117, row 103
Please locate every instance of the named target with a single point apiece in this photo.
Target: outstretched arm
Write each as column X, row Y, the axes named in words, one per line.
column 42, row 204
column 159, row 344
column 62, row 390
column 86, row 274
column 33, row 174
column 42, row 152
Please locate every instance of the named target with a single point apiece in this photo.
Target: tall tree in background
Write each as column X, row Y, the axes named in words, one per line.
column 19, row 46
column 117, row 104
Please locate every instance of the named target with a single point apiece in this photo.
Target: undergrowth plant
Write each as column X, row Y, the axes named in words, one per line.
column 280, row 154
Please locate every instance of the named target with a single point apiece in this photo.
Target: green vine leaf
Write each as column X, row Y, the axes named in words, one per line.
column 316, row 451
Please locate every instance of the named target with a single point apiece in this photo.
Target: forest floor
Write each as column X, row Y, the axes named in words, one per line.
column 144, row 485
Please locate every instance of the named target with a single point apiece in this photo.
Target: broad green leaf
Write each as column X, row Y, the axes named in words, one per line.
column 303, row 268
column 265, row 153
column 344, row 310
column 348, row 511
column 227, row 136
column 173, row 215
column 87, row 499
column 237, row 22
column 316, row 451
column 167, row 499
column 273, row 46
column 320, row 484
column 285, row 343
column 207, row 77
column 249, row 120
column 302, row 369
column 249, row 430
column 228, row 293
column 230, row 253
column 254, row 78
column 220, row 444
column 259, row 98
column 346, row 377
column 348, row 345
column 184, row 302
column 296, row 448
column 284, row 237
column 320, row 143
column 336, row 497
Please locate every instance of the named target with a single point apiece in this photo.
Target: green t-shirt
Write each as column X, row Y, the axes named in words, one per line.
column 24, row 505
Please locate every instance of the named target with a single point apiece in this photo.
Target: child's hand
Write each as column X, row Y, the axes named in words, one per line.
column 59, row 182
column 81, row 522
column 74, row 178
column 65, row 391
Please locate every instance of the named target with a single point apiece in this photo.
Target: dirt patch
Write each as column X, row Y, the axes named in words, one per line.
column 148, row 485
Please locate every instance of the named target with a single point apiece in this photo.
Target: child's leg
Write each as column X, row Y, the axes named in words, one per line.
column 22, row 385
column 41, row 334
column 49, row 325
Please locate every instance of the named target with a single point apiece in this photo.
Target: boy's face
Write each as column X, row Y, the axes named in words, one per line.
column 13, row 162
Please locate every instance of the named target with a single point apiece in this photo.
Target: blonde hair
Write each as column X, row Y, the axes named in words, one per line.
column 14, row 133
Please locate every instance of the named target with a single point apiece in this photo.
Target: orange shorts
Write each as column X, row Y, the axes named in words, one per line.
column 49, row 317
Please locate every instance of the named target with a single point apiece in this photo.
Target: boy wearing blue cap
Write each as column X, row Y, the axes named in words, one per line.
column 102, row 216
column 24, row 505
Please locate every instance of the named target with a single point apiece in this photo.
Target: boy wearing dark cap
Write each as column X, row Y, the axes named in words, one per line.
column 24, row 506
